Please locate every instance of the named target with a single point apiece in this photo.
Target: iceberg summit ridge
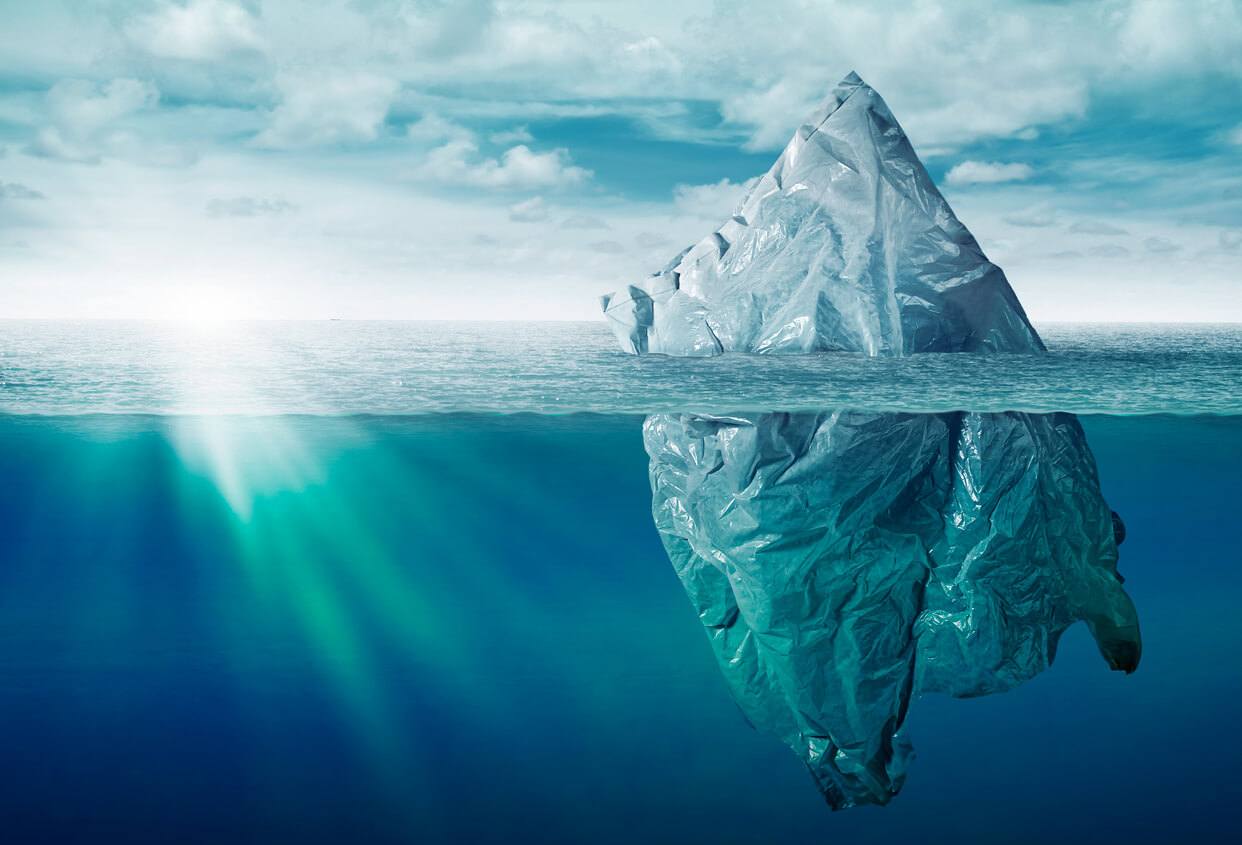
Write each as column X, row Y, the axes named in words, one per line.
column 842, row 562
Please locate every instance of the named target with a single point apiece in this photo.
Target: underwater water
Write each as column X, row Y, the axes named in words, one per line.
column 232, row 610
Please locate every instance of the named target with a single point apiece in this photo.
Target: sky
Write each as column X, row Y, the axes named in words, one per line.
column 403, row 159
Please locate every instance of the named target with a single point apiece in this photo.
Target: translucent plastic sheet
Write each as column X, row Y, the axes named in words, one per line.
column 842, row 562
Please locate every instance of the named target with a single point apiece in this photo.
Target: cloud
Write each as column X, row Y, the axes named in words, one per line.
column 200, row 30
column 710, row 202
column 85, row 117
column 987, row 173
column 516, row 135
column 18, row 191
column 650, row 239
column 608, row 247
column 1109, row 251
column 433, row 127
column 533, row 210
column 1096, row 227
column 583, row 221
column 1037, row 216
column 1231, row 240
column 1172, row 36
column 1160, row 245
column 954, row 72
column 326, row 108
column 457, row 163
column 248, row 207
column 1235, row 136
column 772, row 113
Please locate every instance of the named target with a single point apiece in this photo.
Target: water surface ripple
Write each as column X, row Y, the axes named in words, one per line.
column 373, row 367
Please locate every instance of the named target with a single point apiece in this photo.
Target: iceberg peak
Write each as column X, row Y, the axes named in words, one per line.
column 845, row 244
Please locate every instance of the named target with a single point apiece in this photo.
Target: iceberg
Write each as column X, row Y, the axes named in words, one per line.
column 843, row 562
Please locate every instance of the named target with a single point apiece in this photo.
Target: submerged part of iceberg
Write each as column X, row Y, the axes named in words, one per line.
column 843, row 561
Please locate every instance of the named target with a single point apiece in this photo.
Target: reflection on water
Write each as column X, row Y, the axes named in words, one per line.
column 844, row 562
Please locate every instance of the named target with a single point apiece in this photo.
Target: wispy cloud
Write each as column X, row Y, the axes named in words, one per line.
column 1097, row 227
column 85, row 117
column 1035, row 217
column 248, row 207
column 18, row 191
column 1155, row 243
column 533, row 210
column 323, row 108
column 432, row 127
column 715, row 201
column 987, row 173
column 1109, row 251
column 520, row 168
column 200, row 30
column 507, row 137
column 583, row 221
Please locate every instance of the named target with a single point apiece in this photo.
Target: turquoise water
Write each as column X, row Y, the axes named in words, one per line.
column 351, row 367
column 311, row 619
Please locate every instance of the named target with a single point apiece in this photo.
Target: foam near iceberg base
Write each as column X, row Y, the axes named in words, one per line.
column 842, row 562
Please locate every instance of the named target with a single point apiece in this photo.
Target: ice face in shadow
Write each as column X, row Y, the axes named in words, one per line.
column 842, row 562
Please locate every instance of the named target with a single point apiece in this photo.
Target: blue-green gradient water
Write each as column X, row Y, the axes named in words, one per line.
column 355, row 583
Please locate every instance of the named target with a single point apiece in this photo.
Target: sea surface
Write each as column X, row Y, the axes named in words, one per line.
column 399, row 582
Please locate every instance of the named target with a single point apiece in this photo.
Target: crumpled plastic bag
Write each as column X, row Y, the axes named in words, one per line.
column 842, row 562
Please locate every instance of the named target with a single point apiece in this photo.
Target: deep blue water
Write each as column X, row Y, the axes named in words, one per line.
column 271, row 583
column 464, row 628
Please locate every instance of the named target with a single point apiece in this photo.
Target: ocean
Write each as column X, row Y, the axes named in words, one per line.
column 399, row 582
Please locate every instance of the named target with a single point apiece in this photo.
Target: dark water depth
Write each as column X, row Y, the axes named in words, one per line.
column 465, row 629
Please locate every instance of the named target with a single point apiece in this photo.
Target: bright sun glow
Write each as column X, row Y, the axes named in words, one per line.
column 202, row 304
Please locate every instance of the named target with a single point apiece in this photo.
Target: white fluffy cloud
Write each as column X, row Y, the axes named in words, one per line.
column 200, row 30
column 520, row 168
column 1157, row 33
column 328, row 108
column 85, row 116
column 710, row 202
column 987, row 173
